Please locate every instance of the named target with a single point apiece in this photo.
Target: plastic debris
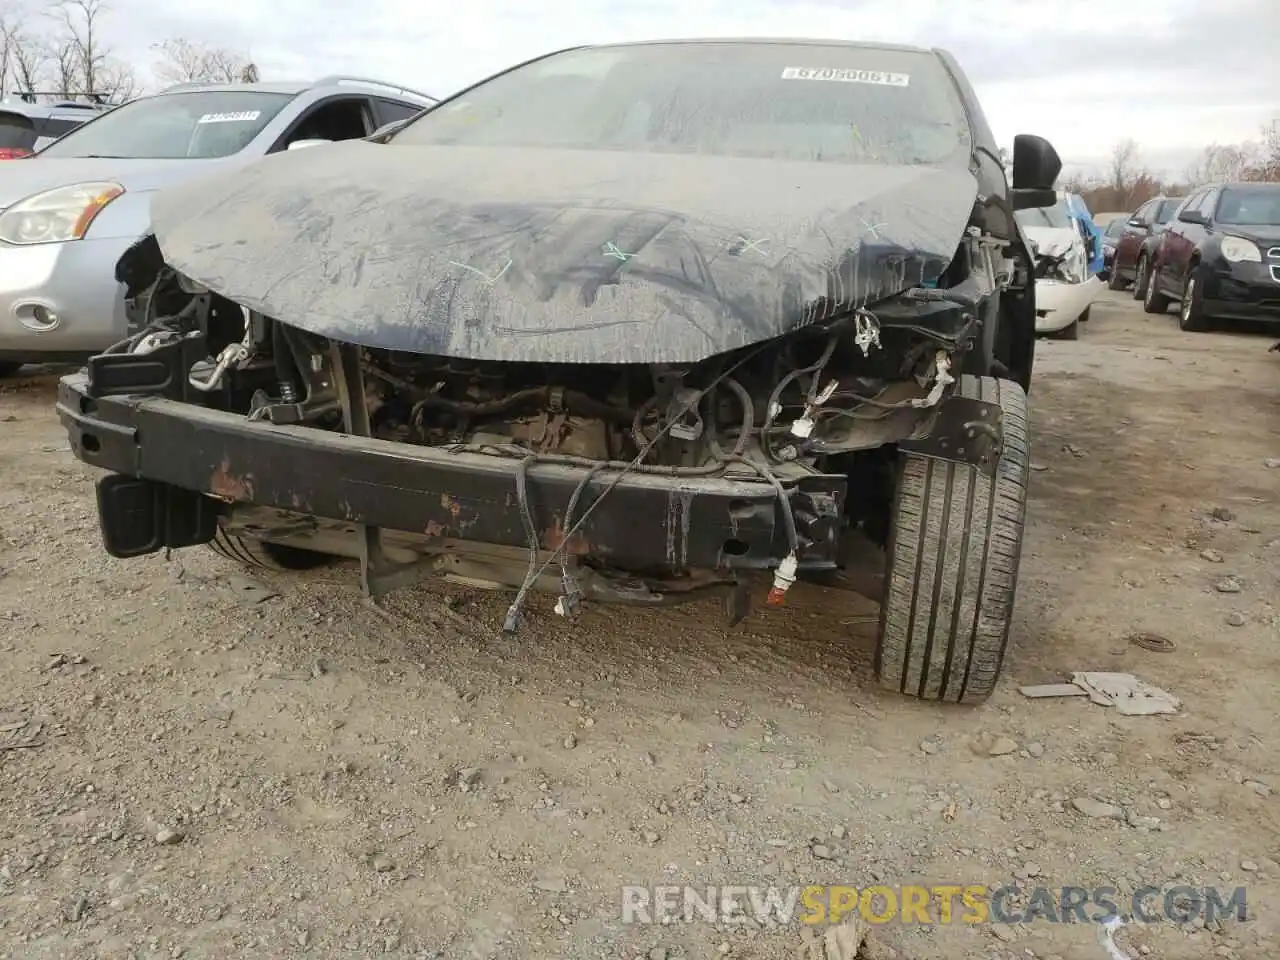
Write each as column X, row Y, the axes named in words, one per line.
column 1129, row 695
column 1106, row 939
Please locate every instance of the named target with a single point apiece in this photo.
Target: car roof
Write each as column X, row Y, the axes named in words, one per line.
column 199, row 87
column 65, row 108
column 773, row 41
column 295, row 88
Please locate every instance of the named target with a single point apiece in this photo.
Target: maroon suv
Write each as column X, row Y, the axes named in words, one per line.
column 1135, row 246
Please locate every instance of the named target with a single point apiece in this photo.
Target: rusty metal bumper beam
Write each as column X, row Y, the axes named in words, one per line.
column 174, row 461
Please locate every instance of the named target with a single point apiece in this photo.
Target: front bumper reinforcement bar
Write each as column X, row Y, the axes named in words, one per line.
column 175, row 461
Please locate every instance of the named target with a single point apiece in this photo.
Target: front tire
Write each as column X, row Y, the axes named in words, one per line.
column 263, row 554
column 1115, row 281
column 951, row 572
column 1141, row 277
column 1191, row 311
column 1070, row 332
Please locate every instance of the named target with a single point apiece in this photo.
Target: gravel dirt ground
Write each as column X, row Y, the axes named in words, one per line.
column 196, row 763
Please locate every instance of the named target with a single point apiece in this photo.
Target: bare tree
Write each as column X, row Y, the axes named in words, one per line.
column 29, row 61
column 182, row 61
column 1266, row 165
column 1124, row 170
column 83, row 61
column 10, row 28
column 1219, row 162
column 117, row 82
column 64, row 58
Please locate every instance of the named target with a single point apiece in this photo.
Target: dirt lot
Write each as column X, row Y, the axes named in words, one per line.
column 209, row 770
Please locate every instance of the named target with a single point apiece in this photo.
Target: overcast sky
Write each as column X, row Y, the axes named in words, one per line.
column 1172, row 74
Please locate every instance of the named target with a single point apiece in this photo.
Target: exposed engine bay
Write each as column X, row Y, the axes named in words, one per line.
column 828, row 403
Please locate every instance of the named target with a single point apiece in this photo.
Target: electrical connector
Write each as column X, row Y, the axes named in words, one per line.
column 783, row 578
column 803, row 426
column 570, row 596
column 512, row 622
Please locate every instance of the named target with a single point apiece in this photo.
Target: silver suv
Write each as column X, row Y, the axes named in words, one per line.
column 68, row 213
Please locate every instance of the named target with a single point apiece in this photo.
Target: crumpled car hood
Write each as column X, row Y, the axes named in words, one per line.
column 559, row 255
column 1053, row 241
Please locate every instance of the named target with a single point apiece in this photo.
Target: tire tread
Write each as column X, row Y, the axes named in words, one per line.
column 952, row 565
column 263, row 554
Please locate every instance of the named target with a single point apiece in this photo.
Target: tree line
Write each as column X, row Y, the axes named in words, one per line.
column 1128, row 183
column 59, row 48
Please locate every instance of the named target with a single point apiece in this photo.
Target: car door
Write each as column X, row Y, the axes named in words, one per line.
column 1193, row 236
column 1174, row 248
column 336, row 118
column 1136, row 228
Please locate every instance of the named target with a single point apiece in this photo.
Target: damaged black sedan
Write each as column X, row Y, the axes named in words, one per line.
column 635, row 323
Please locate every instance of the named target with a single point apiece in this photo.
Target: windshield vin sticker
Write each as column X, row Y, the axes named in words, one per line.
column 847, row 76
column 230, row 117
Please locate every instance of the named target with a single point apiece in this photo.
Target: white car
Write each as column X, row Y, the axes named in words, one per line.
column 1065, row 289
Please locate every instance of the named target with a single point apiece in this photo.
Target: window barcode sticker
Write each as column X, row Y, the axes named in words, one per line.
column 847, row 76
column 241, row 117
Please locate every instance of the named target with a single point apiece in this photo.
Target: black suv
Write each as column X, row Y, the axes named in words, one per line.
column 1220, row 256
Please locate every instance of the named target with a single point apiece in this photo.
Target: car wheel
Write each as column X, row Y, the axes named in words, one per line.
column 1115, row 281
column 262, row 553
column 1191, row 311
column 1153, row 301
column 9, row 367
column 1140, row 279
column 951, row 571
column 1069, row 332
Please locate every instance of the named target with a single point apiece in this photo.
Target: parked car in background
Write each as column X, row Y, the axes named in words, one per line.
column 1089, row 230
column 69, row 215
column 27, row 127
column 1219, row 257
column 1139, row 238
column 1111, row 233
column 1066, row 283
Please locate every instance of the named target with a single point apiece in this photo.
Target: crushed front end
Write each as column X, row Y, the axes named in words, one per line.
column 634, row 483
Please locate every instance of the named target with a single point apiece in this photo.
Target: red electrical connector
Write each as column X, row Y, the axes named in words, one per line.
column 783, row 578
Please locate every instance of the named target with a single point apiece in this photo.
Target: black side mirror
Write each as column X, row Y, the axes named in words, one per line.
column 1035, row 163
column 1135, row 222
column 1036, row 166
column 1193, row 216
